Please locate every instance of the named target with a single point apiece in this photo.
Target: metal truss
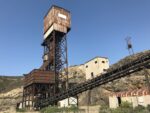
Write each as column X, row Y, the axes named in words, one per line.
column 55, row 46
column 36, row 91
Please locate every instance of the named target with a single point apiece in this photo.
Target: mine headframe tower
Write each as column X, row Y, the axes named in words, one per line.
column 52, row 76
column 56, row 26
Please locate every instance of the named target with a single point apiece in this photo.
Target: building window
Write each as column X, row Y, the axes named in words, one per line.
column 104, row 69
column 92, row 75
column 95, row 62
column 103, row 61
column 86, row 66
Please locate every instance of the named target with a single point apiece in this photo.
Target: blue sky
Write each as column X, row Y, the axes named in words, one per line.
column 99, row 28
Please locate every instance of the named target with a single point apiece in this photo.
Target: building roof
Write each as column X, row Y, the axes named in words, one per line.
column 89, row 61
column 95, row 58
column 137, row 92
column 55, row 7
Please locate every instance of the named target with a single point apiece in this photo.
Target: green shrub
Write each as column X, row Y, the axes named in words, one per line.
column 139, row 108
column 122, row 110
column 126, row 105
column 105, row 109
column 73, row 108
column 56, row 109
column 50, row 110
column 148, row 107
column 21, row 110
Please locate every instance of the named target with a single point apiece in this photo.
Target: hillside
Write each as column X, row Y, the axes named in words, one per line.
column 100, row 94
column 11, row 86
column 8, row 83
column 10, row 92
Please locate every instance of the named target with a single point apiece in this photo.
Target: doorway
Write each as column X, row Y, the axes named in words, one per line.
column 119, row 100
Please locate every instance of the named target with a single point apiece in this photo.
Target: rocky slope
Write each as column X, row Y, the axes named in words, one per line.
column 11, row 87
column 100, row 94
column 8, row 83
column 8, row 100
column 10, row 92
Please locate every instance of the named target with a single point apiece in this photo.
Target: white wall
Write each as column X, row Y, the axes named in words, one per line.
column 95, row 66
column 64, row 103
column 147, row 100
column 135, row 100
column 113, row 102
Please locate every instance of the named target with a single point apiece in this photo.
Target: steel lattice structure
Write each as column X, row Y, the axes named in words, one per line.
column 56, row 49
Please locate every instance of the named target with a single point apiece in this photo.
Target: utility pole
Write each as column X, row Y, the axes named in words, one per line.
column 129, row 45
column 131, row 52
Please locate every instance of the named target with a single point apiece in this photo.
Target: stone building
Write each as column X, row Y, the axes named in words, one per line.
column 91, row 68
column 95, row 67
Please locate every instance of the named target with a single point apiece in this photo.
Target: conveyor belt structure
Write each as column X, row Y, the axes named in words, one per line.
column 140, row 63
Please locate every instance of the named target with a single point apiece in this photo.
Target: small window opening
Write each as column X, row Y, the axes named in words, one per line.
column 92, row 75
column 104, row 69
column 86, row 66
column 95, row 62
column 103, row 61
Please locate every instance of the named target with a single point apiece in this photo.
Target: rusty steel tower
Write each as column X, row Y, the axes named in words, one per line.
column 56, row 26
column 52, row 76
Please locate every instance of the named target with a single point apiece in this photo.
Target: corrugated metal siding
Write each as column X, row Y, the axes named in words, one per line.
column 39, row 76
